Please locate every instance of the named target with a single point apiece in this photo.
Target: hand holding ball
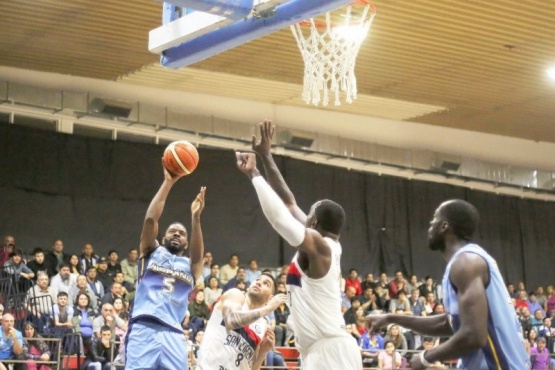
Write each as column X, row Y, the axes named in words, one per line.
column 180, row 158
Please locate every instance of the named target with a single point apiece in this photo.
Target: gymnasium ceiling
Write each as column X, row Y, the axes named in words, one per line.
column 475, row 65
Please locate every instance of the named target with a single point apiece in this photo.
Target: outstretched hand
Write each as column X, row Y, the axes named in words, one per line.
column 263, row 146
column 246, row 163
column 268, row 341
column 374, row 323
column 168, row 176
column 277, row 300
column 198, row 204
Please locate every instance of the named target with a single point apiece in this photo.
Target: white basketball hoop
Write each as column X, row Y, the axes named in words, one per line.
column 329, row 53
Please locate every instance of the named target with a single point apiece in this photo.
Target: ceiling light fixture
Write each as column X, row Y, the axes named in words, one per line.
column 551, row 73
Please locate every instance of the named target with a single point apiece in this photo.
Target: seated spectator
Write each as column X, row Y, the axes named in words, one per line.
column 88, row 258
column 63, row 279
column 113, row 262
column 35, row 349
column 56, row 256
column 525, row 319
column 212, row 293
column 412, row 284
column 346, row 298
column 533, row 304
column 81, row 286
column 537, row 319
column 38, row 264
column 63, row 313
column 214, row 272
column 398, row 283
column 116, row 291
column 119, row 306
column 350, row 316
column 18, row 270
column 532, row 338
column 109, row 318
column 7, row 248
column 389, row 358
column 429, row 303
column 281, row 288
column 427, row 344
column 104, row 275
column 397, row 338
column 39, row 301
column 240, row 276
column 521, row 300
column 382, row 298
column 539, row 356
column 228, row 272
column 429, row 286
column 199, row 313
column 100, row 356
column 95, row 285
column 129, row 267
column 416, row 303
column 370, row 346
column 83, row 317
column 546, row 330
column 368, row 282
column 400, row 304
column 253, row 272
column 439, row 309
column 353, row 280
column 74, row 267
column 128, row 289
column 281, row 315
column 11, row 344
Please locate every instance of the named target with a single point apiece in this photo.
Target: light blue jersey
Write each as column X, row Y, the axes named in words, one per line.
column 505, row 347
column 165, row 282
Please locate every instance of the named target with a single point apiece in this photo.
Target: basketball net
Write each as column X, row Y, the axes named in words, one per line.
column 329, row 53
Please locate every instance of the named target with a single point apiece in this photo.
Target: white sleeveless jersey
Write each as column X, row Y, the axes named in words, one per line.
column 223, row 349
column 316, row 303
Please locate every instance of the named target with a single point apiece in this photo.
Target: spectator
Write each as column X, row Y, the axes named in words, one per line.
column 521, row 300
column 104, row 275
column 241, row 276
column 546, row 330
column 352, row 280
column 383, row 281
column 281, row 315
column 370, row 346
column 74, row 267
column 398, row 283
column 532, row 338
column 228, row 272
column 541, row 298
column 207, row 265
column 116, row 291
column 550, row 299
column 129, row 267
column 38, row 264
column 533, row 304
column 282, row 278
column 281, row 288
column 101, row 356
column 537, row 320
column 350, row 316
column 430, row 303
column 56, row 257
column 81, row 286
column 127, row 289
column 83, row 317
column 40, row 299
column 525, row 319
column 88, row 258
column 382, row 298
column 427, row 344
column 400, row 304
column 62, row 313
column 11, row 343
column 35, row 349
column 212, row 293
column 412, row 284
column 368, row 283
column 389, row 358
column 346, row 298
column 511, row 289
column 119, row 306
column 368, row 300
column 539, row 356
column 21, row 274
column 7, row 248
column 428, row 287
column 253, row 272
column 63, row 279
column 199, row 313
column 94, row 285
column 107, row 317
column 416, row 303
column 439, row 309
column 399, row 341
column 113, row 262
column 214, row 272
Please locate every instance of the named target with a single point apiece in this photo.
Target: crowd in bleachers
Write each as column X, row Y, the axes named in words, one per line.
column 85, row 301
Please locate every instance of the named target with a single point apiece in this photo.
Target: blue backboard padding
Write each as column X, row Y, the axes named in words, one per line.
column 231, row 9
column 238, row 33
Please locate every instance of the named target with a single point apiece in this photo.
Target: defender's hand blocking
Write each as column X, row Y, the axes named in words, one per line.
column 246, row 163
column 263, row 147
column 198, row 204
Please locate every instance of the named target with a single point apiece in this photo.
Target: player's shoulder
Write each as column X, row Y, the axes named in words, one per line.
column 233, row 296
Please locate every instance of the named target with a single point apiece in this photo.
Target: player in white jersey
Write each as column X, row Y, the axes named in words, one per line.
column 313, row 277
column 236, row 336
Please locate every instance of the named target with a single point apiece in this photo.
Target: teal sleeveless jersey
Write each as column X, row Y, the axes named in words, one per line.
column 165, row 282
column 505, row 347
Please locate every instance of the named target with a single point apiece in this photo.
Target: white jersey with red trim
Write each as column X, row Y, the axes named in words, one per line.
column 316, row 303
column 223, row 349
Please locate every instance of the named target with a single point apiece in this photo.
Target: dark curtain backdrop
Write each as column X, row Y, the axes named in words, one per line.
column 85, row 190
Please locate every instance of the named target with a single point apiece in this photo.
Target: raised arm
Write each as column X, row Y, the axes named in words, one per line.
column 232, row 309
column 435, row 326
column 266, row 344
column 197, row 241
column 150, row 226
column 273, row 175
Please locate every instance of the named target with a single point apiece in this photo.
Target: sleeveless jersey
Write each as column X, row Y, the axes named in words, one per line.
column 316, row 303
column 224, row 349
column 505, row 347
column 165, row 282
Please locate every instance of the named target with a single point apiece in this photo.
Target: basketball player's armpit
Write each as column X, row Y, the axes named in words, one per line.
column 238, row 319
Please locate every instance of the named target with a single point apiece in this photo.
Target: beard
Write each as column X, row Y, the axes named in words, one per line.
column 173, row 246
column 436, row 242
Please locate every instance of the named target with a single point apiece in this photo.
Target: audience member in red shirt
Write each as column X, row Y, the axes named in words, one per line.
column 353, row 281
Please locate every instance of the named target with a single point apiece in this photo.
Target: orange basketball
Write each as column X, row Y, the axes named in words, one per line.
column 180, row 158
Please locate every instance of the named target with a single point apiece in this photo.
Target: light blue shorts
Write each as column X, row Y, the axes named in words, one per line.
column 155, row 347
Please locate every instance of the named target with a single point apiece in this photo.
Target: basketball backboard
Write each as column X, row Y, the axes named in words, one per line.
column 193, row 30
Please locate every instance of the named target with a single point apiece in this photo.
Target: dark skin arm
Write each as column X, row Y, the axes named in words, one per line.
column 197, row 241
column 153, row 213
column 315, row 254
column 469, row 273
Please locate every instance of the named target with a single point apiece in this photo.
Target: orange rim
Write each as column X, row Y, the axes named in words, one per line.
column 320, row 24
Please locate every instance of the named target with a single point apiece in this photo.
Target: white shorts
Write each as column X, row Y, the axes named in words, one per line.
column 332, row 353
